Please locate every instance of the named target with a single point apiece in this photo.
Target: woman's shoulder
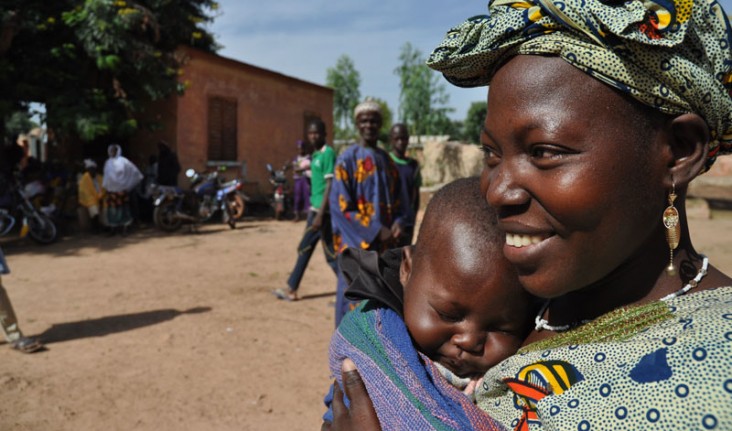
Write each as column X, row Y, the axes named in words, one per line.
column 711, row 305
column 672, row 360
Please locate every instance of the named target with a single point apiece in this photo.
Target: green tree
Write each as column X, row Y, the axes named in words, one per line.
column 474, row 121
column 345, row 80
column 17, row 123
column 422, row 99
column 387, row 118
column 96, row 64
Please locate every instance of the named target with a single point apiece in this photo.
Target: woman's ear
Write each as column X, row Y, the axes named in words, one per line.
column 405, row 269
column 689, row 146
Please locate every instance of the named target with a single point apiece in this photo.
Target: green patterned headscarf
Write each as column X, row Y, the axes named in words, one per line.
column 673, row 55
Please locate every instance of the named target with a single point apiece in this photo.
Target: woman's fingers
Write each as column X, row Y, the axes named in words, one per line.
column 362, row 412
column 361, row 416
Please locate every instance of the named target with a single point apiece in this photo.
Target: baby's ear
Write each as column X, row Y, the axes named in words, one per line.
column 405, row 269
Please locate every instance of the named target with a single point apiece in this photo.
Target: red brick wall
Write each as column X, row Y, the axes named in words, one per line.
column 270, row 108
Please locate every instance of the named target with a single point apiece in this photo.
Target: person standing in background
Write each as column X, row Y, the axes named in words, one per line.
column 366, row 199
column 120, row 176
column 410, row 177
column 168, row 166
column 91, row 193
column 301, row 176
column 318, row 226
column 8, row 320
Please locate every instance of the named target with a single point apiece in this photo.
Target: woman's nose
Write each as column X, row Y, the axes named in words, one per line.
column 502, row 187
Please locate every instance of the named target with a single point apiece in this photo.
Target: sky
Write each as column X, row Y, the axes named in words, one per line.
column 303, row 39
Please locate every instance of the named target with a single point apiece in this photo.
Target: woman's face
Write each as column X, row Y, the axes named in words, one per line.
column 575, row 195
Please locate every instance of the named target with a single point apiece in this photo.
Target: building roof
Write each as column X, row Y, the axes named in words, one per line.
column 213, row 57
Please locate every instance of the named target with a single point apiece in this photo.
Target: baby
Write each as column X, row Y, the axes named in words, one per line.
column 452, row 299
column 459, row 297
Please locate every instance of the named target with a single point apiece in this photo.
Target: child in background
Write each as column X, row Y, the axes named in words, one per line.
column 451, row 299
column 301, row 177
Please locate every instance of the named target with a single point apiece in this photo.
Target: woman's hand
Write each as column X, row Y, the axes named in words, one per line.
column 361, row 416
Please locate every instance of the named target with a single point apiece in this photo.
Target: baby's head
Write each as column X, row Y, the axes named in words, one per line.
column 463, row 304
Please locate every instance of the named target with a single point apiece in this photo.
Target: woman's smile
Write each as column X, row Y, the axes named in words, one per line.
column 518, row 240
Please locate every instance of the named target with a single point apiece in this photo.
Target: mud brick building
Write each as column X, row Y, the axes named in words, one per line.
column 235, row 115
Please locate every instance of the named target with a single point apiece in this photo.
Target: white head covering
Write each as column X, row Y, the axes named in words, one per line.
column 89, row 163
column 368, row 105
column 120, row 174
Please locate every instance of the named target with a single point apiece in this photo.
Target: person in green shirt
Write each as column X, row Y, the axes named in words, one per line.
column 318, row 226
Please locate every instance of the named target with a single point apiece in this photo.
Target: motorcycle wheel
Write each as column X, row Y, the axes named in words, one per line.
column 236, row 204
column 228, row 219
column 42, row 229
column 165, row 219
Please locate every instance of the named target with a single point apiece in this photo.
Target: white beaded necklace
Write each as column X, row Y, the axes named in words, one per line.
column 543, row 324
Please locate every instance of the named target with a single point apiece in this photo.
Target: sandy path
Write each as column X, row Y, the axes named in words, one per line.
column 179, row 332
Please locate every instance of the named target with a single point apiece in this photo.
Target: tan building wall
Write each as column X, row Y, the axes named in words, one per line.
column 271, row 112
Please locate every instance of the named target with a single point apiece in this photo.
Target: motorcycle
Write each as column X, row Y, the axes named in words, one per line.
column 16, row 204
column 280, row 197
column 207, row 194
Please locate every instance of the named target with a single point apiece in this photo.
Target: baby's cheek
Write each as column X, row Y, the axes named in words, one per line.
column 426, row 335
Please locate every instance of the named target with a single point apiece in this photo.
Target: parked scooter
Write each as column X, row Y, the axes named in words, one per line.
column 16, row 205
column 280, row 200
column 207, row 195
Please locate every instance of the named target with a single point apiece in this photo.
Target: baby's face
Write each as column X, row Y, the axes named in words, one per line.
column 466, row 322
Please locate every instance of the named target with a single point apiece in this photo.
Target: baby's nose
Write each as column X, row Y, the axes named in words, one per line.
column 472, row 342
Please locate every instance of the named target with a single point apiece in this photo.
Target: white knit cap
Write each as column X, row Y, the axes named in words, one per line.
column 368, row 105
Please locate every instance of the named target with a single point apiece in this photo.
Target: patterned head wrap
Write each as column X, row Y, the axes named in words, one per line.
column 673, row 55
column 368, row 105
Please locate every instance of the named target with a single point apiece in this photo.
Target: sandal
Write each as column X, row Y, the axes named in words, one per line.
column 285, row 295
column 26, row 345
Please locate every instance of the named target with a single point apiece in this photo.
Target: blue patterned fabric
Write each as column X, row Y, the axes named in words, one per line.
column 674, row 374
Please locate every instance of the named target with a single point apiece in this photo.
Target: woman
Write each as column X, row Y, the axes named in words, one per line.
column 120, row 176
column 599, row 116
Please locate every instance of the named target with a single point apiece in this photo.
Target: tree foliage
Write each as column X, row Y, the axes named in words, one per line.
column 422, row 98
column 95, row 64
column 474, row 121
column 345, row 80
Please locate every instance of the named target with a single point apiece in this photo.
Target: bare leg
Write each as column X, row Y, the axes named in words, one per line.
column 9, row 324
column 8, row 321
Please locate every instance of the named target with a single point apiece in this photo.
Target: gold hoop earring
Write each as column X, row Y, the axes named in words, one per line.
column 673, row 229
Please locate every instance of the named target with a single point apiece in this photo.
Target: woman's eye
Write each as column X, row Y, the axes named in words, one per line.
column 540, row 152
column 490, row 155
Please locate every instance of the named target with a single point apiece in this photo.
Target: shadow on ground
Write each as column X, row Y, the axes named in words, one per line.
column 70, row 244
column 102, row 326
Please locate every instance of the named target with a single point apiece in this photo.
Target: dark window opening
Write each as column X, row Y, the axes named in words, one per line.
column 222, row 129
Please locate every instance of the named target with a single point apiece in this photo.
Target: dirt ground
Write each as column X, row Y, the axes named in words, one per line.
column 180, row 332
